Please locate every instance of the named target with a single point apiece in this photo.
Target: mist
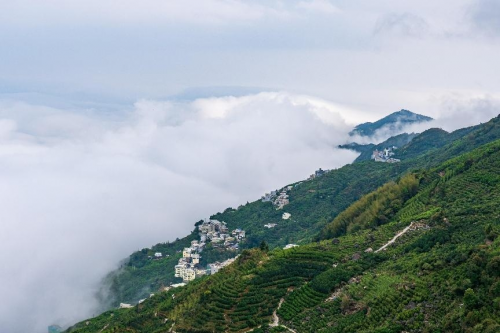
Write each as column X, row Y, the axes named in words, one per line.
column 107, row 147
column 82, row 189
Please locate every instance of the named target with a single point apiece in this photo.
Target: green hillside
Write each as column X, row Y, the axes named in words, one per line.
column 441, row 272
column 313, row 204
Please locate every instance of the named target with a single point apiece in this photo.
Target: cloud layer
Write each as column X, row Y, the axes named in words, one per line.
column 375, row 57
column 87, row 178
column 157, row 12
column 82, row 190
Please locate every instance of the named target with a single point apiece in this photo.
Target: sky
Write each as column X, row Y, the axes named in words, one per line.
column 124, row 123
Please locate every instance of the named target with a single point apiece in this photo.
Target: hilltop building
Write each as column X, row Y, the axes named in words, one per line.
column 318, row 173
column 268, row 197
column 282, row 200
column 385, row 155
column 278, row 200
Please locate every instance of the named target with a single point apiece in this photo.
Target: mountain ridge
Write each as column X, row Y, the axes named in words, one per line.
column 440, row 270
column 315, row 195
column 312, row 205
column 394, row 122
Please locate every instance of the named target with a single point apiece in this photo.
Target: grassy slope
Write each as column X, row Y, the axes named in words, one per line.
column 442, row 279
column 313, row 205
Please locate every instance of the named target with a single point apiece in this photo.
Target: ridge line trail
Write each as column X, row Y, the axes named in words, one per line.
column 399, row 234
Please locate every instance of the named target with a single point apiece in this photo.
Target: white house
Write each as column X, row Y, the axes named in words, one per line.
column 195, row 257
column 125, row 306
column 188, row 274
column 186, row 253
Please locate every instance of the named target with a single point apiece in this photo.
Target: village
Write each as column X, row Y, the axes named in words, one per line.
column 278, row 200
column 385, row 155
column 216, row 233
column 282, row 199
column 189, row 266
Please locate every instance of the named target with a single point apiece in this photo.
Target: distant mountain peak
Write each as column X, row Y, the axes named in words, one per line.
column 393, row 122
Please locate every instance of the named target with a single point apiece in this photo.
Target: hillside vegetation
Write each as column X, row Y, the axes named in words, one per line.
column 439, row 270
column 313, row 204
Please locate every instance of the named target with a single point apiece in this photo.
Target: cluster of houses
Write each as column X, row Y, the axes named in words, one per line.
column 385, row 155
column 282, row 200
column 215, row 232
column 188, row 267
column 269, row 197
column 279, row 200
column 218, row 234
column 270, row 225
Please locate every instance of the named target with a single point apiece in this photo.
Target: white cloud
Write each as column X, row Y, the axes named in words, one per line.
column 463, row 110
column 458, row 110
column 82, row 190
column 127, row 11
column 319, row 6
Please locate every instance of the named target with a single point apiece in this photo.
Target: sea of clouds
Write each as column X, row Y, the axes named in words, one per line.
column 82, row 189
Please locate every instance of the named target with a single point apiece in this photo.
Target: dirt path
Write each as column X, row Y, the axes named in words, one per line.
column 276, row 319
column 288, row 328
column 399, row 234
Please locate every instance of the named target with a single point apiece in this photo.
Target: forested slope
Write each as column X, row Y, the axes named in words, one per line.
column 441, row 275
column 313, row 204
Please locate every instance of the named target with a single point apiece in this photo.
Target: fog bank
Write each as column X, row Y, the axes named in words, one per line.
column 82, row 189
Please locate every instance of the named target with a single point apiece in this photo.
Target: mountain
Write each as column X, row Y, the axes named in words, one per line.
column 312, row 205
column 440, row 274
column 393, row 122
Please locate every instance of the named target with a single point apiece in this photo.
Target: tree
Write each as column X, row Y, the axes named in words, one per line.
column 263, row 246
column 470, row 299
